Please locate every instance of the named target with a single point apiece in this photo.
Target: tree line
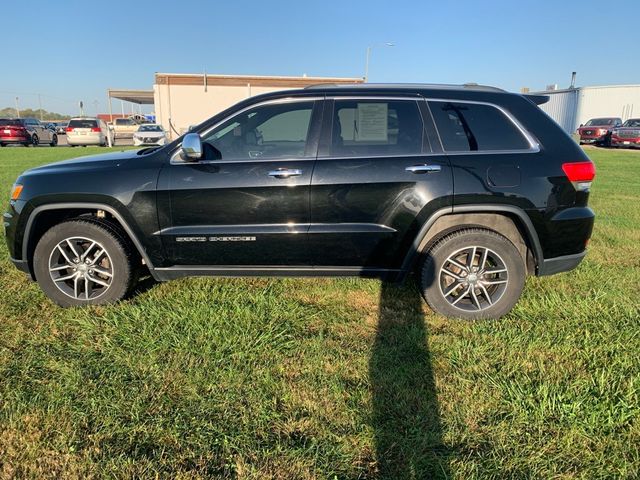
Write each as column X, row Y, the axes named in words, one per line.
column 10, row 112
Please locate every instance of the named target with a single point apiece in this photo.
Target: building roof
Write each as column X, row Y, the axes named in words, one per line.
column 144, row 97
column 244, row 80
column 564, row 90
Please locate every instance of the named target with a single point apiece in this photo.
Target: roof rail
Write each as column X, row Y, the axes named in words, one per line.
column 465, row 86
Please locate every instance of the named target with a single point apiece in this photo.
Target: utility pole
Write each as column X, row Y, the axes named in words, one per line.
column 366, row 67
column 81, row 108
column 95, row 104
column 40, row 104
column 17, row 109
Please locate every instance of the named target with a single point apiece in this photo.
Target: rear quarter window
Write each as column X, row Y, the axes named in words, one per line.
column 468, row 127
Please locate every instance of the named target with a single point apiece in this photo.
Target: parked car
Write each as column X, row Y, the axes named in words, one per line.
column 472, row 188
column 149, row 134
column 628, row 135
column 88, row 131
column 124, row 127
column 61, row 127
column 25, row 131
column 598, row 130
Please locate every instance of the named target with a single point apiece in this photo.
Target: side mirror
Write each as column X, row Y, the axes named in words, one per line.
column 582, row 124
column 191, row 147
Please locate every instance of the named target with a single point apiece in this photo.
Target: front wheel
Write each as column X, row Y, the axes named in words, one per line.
column 35, row 140
column 82, row 262
column 473, row 274
column 54, row 141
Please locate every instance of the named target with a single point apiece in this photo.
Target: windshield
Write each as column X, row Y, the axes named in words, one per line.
column 150, row 128
column 599, row 121
column 632, row 122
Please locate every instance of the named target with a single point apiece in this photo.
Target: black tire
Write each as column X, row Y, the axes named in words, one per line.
column 54, row 141
column 3, row 144
column 35, row 141
column 118, row 261
column 492, row 295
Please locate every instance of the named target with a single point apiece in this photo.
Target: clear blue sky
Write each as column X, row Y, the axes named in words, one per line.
column 75, row 50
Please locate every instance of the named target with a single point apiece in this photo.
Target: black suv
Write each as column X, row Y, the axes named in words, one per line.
column 471, row 187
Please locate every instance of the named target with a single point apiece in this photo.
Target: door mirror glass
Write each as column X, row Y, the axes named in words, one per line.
column 191, row 147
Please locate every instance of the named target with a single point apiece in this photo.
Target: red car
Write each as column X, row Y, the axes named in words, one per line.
column 598, row 130
column 25, row 131
column 628, row 135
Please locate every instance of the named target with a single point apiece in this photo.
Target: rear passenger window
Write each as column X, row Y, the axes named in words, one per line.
column 467, row 127
column 376, row 128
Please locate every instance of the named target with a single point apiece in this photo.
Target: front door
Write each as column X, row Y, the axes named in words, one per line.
column 380, row 174
column 246, row 203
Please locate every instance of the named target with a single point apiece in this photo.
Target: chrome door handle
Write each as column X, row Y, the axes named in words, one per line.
column 285, row 173
column 423, row 168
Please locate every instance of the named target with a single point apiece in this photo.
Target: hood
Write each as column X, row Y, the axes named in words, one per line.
column 91, row 162
column 596, row 127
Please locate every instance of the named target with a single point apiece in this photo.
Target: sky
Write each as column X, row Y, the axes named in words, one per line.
column 70, row 50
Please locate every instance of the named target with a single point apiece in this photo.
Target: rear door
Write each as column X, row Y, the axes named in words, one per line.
column 380, row 174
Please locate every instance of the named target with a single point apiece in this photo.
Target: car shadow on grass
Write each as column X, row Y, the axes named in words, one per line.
column 406, row 417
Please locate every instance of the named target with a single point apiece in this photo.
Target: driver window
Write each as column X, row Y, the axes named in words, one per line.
column 278, row 130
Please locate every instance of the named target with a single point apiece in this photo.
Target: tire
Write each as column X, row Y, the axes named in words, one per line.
column 494, row 293
column 3, row 144
column 109, row 276
column 35, row 141
column 54, row 141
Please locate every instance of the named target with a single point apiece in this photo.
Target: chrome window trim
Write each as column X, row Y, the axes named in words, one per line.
column 534, row 146
column 176, row 153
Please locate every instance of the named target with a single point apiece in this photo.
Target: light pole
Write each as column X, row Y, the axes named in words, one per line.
column 17, row 109
column 366, row 68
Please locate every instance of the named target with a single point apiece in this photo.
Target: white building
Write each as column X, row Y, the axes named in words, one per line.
column 182, row 100
column 574, row 106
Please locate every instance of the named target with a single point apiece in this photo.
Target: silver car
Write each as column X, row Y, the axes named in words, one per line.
column 88, row 131
column 149, row 134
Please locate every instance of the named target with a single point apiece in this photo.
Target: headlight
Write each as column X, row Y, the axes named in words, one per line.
column 16, row 191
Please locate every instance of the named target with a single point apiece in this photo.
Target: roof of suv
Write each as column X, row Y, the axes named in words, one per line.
column 405, row 86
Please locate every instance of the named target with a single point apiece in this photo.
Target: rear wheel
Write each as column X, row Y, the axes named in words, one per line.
column 35, row 140
column 473, row 274
column 82, row 262
column 54, row 140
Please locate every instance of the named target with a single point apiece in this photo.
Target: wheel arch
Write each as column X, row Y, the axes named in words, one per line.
column 46, row 216
column 507, row 220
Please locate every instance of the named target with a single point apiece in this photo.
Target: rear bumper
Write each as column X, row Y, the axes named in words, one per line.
column 84, row 140
column 21, row 140
column 551, row 266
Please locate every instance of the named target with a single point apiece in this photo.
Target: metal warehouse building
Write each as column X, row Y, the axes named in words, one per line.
column 574, row 106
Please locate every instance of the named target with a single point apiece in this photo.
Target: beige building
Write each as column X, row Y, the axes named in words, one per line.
column 181, row 100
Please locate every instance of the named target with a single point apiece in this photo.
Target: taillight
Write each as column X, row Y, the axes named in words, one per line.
column 581, row 174
column 68, row 129
column 95, row 129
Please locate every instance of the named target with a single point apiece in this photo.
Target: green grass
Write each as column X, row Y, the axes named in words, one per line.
column 304, row 378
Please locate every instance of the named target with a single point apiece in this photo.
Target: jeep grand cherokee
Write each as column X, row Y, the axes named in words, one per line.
column 470, row 187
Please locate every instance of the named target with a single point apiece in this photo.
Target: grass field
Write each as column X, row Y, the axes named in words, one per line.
column 345, row 379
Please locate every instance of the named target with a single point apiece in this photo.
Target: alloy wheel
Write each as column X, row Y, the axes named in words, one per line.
column 81, row 268
column 473, row 278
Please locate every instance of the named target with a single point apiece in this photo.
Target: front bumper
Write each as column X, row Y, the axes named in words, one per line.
column 625, row 142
